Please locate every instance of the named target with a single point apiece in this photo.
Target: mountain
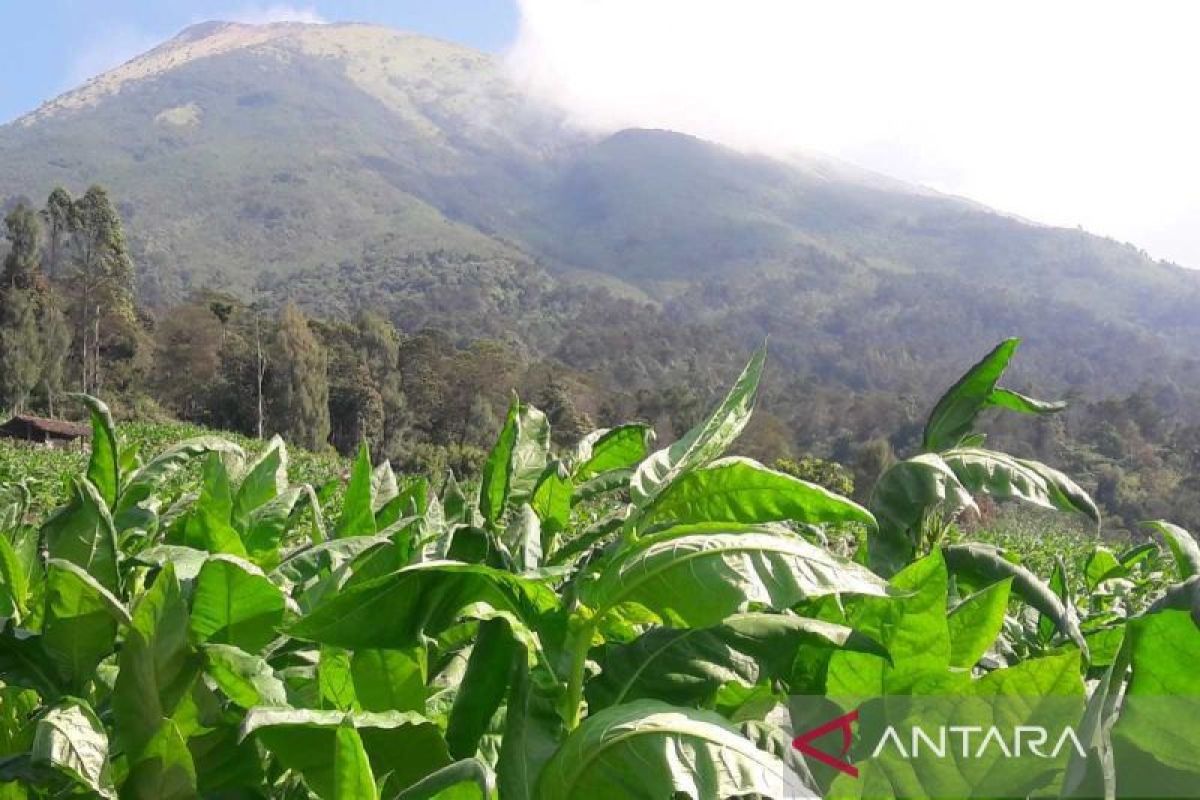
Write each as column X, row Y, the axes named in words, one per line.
column 346, row 165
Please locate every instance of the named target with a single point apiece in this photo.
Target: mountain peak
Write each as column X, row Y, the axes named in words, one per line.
column 354, row 43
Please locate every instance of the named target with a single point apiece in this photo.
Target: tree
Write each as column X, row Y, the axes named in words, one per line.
column 60, row 217
column 21, row 265
column 301, row 407
column 103, row 281
column 379, row 348
column 20, row 347
column 56, row 348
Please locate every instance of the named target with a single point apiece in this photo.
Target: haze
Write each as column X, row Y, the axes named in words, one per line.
column 1068, row 113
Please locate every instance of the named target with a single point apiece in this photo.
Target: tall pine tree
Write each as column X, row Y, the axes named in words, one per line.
column 21, row 351
column 301, row 382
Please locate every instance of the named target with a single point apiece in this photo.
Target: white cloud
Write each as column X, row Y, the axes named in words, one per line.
column 1069, row 112
column 273, row 12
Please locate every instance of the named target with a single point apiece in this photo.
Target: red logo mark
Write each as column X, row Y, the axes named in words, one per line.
column 803, row 743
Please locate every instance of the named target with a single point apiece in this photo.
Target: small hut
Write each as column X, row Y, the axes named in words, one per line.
column 43, row 431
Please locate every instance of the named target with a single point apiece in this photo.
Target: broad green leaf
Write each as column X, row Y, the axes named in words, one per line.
column 987, row 564
column 483, row 687
column 703, row 443
column 1154, row 737
column 187, row 561
column 496, row 475
column 82, row 532
column 24, row 663
column 686, row 666
column 468, row 779
column 953, row 418
column 412, row 499
column 393, row 611
column 531, row 735
column 912, row 626
column 648, row 749
column 142, row 483
column 209, row 525
column 1004, row 477
column 1184, row 547
column 551, row 501
column 523, row 539
column 615, row 448
column 384, row 487
column 264, row 480
column 80, row 625
column 389, row 680
column 1101, row 565
column 903, row 498
column 157, row 669
column 352, row 776
column 740, row 490
column 531, row 451
column 335, row 681
column 14, row 582
column 975, row 623
column 1058, row 585
column 104, row 467
column 164, row 769
column 358, row 515
column 235, row 603
column 265, row 527
column 698, row 579
column 71, row 740
column 404, row 744
column 245, row 679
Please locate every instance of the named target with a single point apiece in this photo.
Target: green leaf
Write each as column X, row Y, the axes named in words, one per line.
column 497, row 470
column 1058, row 585
column 245, row 679
column 404, row 744
column 1184, row 547
column 1004, row 477
column 703, row 443
column 468, row 779
column 265, row 528
column 265, row 480
column 613, row 448
column 80, row 626
column 358, row 515
column 523, row 539
column 530, row 453
column 164, row 770
column 82, row 532
column 741, row 490
column 14, row 582
column 157, row 669
column 143, row 482
column 394, row 610
column 687, row 666
column 987, row 564
column 352, row 777
column 209, row 525
column 1101, row 565
column 1154, row 736
column 953, row 418
column 532, row 732
column 976, row 622
column 389, row 680
column 551, row 501
column 697, row 579
column 384, row 487
column 903, row 497
column 648, row 749
column 482, row 689
column 334, row 680
column 25, row 663
column 104, row 466
column 71, row 741
column 235, row 603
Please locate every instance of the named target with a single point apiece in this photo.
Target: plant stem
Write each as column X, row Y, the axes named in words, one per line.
column 574, row 696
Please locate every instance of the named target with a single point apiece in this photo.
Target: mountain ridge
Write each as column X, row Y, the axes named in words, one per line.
column 283, row 156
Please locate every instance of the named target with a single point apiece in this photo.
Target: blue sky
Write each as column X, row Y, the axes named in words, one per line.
column 50, row 46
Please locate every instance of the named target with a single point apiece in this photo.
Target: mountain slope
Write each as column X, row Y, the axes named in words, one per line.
column 350, row 165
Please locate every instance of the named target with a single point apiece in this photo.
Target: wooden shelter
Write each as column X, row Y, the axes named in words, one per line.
column 40, row 430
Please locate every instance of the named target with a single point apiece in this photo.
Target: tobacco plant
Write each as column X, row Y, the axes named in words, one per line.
column 617, row 620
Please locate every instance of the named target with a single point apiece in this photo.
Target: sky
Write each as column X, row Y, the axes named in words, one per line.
column 1070, row 112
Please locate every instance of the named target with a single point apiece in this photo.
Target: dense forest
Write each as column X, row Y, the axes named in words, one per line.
column 423, row 367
